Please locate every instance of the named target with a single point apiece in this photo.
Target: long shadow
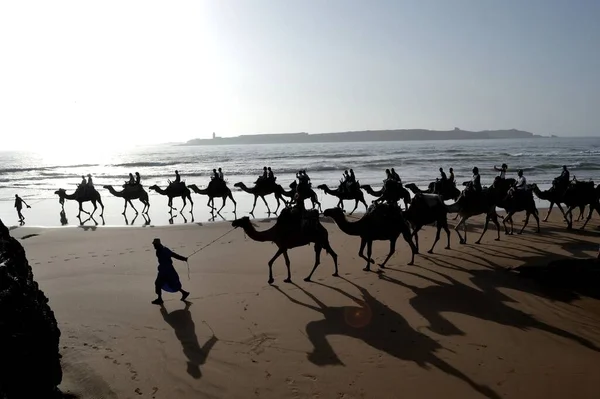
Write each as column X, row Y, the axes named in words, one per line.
column 185, row 330
column 486, row 303
column 379, row 327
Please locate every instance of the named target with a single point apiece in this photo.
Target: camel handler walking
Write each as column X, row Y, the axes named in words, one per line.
column 167, row 278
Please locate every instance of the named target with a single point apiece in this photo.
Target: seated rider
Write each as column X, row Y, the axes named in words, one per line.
column 352, row 177
column 138, row 178
column 388, row 176
column 451, row 178
column 90, row 184
column 564, row 178
column 177, row 177
column 83, row 182
column 520, row 185
column 131, row 181
column 221, row 175
column 441, row 181
column 214, row 175
column 395, row 176
column 502, row 170
column 475, row 183
column 270, row 175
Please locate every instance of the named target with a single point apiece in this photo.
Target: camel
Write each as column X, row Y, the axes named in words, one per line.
column 472, row 204
column 391, row 191
column 555, row 196
column 382, row 223
column 130, row 193
column 579, row 194
column 81, row 195
column 288, row 233
column 260, row 190
column 342, row 195
column 174, row 190
column 307, row 193
column 215, row 191
column 426, row 209
column 518, row 202
column 450, row 192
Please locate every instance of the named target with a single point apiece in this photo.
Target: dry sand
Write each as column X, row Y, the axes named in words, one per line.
column 455, row 324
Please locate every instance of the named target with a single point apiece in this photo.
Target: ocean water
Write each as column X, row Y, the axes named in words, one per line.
column 35, row 176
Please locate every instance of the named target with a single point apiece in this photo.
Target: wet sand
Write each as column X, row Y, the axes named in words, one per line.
column 456, row 324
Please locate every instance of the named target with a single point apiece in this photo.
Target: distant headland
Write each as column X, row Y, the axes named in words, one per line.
column 365, row 135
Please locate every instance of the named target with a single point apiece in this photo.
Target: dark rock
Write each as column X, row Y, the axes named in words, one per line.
column 29, row 335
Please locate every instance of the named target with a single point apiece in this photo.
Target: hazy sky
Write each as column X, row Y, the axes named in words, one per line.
column 81, row 73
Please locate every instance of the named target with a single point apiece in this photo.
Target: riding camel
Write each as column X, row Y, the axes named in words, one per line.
column 448, row 191
column 81, row 195
column 427, row 209
column 578, row 194
column 518, row 201
column 287, row 233
column 130, row 193
column 392, row 191
column 471, row 204
column 382, row 223
column 306, row 193
column 262, row 189
column 341, row 194
column 213, row 191
column 555, row 195
column 175, row 190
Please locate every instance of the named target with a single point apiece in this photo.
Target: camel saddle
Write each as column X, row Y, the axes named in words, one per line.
column 306, row 220
column 174, row 185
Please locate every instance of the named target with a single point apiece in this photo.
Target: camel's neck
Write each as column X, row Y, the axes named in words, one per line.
column 70, row 196
column 350, row 228
column 453, row 208
column 328, row 190
column 262, row 236
column 245, row 189
column 114, row 192
column 161, row 191
column 541, row 194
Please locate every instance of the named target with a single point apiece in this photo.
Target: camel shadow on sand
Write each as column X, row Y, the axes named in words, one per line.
column 185, row 330
column 379, row 327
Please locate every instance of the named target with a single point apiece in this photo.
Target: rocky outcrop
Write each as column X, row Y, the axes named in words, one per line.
column 29, row 335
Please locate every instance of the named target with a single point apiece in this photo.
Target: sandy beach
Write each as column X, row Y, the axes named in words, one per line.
column 456, row 324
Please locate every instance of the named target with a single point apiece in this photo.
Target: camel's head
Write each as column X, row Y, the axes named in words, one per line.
column 153, row 187
column 241, row 222
column 60, row 192
column 108, row 186
column 333, row 212
column 321, row 186
column 293, row 184
column 238, row 184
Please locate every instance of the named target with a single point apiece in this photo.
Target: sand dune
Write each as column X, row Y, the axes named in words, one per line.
column 457, row 324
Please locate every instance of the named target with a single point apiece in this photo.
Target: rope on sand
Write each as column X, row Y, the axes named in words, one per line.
column 207, row 245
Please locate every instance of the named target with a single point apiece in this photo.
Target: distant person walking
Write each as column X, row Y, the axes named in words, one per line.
column 167, row 278
column 19, row 205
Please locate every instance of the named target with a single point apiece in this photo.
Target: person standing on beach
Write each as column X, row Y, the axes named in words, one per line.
column 167, row 278
column 19, row 205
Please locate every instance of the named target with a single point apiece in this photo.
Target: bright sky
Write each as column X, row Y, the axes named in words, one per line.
column 82, row 73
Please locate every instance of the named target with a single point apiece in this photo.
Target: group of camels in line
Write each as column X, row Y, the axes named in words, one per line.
column 386, row 222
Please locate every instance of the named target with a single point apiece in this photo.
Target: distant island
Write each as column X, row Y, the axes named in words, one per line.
column 365, row 135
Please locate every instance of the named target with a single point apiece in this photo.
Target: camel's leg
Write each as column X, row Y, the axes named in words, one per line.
column 456, row 217
column 191, row 203
column 369, row 252
column 392, row 251
column 331, row 252
column 416, row 235
column 287, row 264
column 485, row 227
column 581, row 209
column 317, row 261
column 550, row 210
column 355, row 206
column 569, row 217
column 447, row 230
column 147, row 206
column 408, row 238
column 589, row 216
column 222, row 206
column 340, row 204
column 504, row 220
column 131, row 204
column 278, row 204
column 95, row 208
column 363, row 243
column 125, row 208
column 234, row 203
column 210, row 203
column 437, row 238
column 267, row 205
column 184, row 204
column 364, row 203
column 254, row 205
column 462, row 222
column 527, row 215
column 537, row 220
column 279, row 252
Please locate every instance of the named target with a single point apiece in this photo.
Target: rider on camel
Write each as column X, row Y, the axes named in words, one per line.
column 138, row 178
column 90, row 184
column 177, row 177
column 221, row 175
column 502, row 170
column 270, row 175
column 131, row 181
column 395, row 176
column 475, row 183
column 451, row 178
column 441, row 181
column 564, row 178
column 520, row 185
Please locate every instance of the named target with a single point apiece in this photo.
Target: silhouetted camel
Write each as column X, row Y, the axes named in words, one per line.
column 426, row 209
column 81, row 195
column 129, row 193
column 383, row 224
column 213, row 191
column 448, row 192
column 288, row 233
column 175, row 190
column 262, row 189
column 342, row 195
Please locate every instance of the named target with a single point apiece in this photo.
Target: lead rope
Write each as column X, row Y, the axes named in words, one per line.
column 207, row 245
